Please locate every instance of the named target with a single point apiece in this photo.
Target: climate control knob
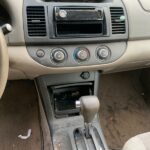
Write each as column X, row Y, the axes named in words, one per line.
column 59, row 55
column 82, row 54
column 103, row 53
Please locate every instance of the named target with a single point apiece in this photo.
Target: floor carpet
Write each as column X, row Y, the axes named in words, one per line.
column 124, row 112
column 18, row 113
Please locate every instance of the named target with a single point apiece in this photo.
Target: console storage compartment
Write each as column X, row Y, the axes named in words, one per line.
column 64, row 97
column 79, row 28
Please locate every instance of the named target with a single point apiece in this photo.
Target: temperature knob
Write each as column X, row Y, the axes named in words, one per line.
column 82, row 54
column 59, row 55
column 103, row 53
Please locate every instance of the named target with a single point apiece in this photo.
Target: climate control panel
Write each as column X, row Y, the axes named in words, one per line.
column 77, row 55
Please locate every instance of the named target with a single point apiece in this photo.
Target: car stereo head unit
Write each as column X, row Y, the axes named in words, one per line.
column 79, row 21
column 51, row 22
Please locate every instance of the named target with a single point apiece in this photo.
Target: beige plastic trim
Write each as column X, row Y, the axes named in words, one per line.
column 15, row 74
column 138, row 18
column 4, row 63
column 137, row 55
column 145, row 4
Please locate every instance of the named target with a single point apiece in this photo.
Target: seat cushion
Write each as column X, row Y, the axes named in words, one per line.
column 139, row 142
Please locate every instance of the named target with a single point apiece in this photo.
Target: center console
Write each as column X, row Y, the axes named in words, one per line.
column 67, row 34
column 71, row 108
column 63, row 33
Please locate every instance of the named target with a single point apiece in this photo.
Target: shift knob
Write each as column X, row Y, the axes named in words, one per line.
column 89, row 106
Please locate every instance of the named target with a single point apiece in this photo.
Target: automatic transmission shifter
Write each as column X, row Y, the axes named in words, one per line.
column 89, row 106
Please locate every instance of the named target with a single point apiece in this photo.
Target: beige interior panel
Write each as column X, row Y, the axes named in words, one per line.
column 145, row 4
column 4, row 63
column 15, row 74
column 137, row 54
column 139, row 22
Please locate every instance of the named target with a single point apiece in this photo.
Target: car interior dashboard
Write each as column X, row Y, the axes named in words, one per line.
column 63, row 36
column 80, row 71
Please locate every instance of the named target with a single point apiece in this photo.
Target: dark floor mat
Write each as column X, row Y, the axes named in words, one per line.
column 18, row 113
column 123, row 111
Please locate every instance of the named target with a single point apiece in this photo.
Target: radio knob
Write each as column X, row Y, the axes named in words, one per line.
column 82, row 54
column 63, row 13
column 58, row 55
column 103, row 53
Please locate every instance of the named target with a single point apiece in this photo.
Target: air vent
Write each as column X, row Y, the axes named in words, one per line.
column 36, row 21
column 118, row 20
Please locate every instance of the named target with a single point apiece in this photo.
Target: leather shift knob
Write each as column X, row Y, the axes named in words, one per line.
column 89, row 106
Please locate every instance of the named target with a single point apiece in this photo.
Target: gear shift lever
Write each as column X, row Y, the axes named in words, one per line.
column 89, row 106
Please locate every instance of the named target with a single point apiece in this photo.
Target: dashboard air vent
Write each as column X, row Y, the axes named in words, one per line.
column 36, row 21
column 118, row 20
